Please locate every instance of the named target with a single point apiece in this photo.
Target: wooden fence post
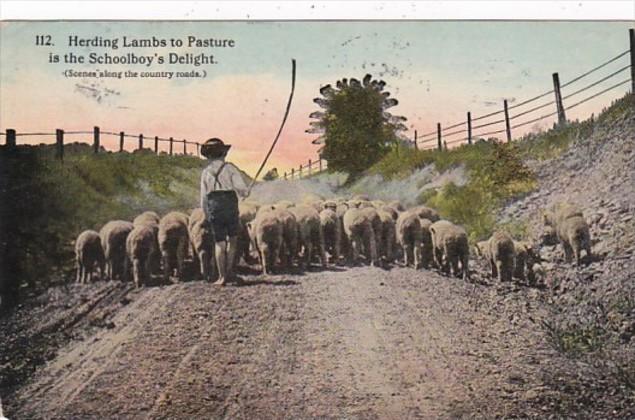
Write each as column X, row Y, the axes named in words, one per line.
column 507, row 125
column 171, row 145
column 11, row 135
column 309, row 167
column 292, row 172
column 300, row 172
column 469, row 127
column 285, row 175
column 198, row 149
column 184, row 147
column 59, row 136
column 96, row 139
column 140, row 141
column 562, row 119
column 320, row 163
column 122, row 135
column 439, row 144
column 631, row 33
column 416, row 145
column 156, row 145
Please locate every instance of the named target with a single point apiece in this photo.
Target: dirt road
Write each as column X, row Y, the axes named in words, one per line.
column 361, row 342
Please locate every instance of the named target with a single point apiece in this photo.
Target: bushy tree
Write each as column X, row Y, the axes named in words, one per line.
column 271, row 175
column 355, row 128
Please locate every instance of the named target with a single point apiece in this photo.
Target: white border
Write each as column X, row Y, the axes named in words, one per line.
column 319, row 10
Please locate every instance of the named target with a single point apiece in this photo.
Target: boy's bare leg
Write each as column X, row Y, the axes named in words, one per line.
column 221, row 262
column 231, row 254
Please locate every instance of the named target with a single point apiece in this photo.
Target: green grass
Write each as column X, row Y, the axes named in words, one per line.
column 47, row 203
column 496, row 174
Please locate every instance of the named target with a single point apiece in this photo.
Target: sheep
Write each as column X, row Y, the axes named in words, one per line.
column 331, row 226
column 141, row 245
column 266, row 232
column 113, row 241
column 409, row 238
column 146, row 217
column 88, row 254
column 387, row 236
column 247, row 211
column 316, row 204
column 329, row 204
column 499, row 251
column 378, row 204
column 424, row 212
column 361, row 197
column 396, row 205
column 377, row 225
column 450, row 247
column 310, row 234
column 289, row 246
column 523, row 261
column 201, row 238
column 359, row 231
column 284, row 204
column 571, row 230
column 394, row 213
column 340, row 210
column 173, row 242
column 426, row 243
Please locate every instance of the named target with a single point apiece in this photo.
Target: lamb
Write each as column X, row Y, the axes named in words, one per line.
column 524, row 260
column 499, row 251
column 113, row 241
column 141, row 245
column 378, row 204
column 409, row 237
column 310, row 234
column 247, row 211
column 377, row 225
column 331, row 226
column 359, row 232
column 146, row 217
column 394, row 213
column 201, row 238
column 284, row 204
column 426, row 242
column 424, row 212
column 396, row 205
column 571, row 230
column 289, row 246
column 340, row 210
column 173, row 242
column 387, row 236
column 450, row 247
column 88, row 254
column 266, row 234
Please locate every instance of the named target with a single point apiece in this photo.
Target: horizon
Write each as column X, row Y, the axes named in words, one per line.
column 437, row 70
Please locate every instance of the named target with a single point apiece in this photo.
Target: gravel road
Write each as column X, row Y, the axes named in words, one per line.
column 347, row 342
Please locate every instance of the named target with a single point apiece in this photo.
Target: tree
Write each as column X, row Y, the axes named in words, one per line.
column 271, row 175
column 355, row 128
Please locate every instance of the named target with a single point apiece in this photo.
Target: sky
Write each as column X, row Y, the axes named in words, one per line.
column 438, row 70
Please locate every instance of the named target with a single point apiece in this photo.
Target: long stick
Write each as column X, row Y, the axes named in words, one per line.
column 284, row 120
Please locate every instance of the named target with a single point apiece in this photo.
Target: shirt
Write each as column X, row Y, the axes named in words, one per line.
column 229, row 179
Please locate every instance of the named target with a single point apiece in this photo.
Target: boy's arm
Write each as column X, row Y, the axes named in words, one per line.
column 238, row 181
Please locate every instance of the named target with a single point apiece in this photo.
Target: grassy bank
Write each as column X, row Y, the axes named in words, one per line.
column 497, row 172
column 47, row 203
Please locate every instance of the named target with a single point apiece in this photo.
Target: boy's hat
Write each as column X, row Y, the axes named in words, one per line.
column 214, row 147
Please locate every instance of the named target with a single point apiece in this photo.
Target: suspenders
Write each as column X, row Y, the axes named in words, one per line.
column 217, row 175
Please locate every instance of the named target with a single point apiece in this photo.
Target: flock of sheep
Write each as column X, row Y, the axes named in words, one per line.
column 315, row 230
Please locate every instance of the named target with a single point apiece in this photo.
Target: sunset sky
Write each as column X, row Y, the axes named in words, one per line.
column 437, row 71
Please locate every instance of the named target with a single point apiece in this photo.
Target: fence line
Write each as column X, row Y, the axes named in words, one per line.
column 12, row 134
column 443, row 137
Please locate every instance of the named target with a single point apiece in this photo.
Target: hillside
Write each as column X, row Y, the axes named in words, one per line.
column 45, row 204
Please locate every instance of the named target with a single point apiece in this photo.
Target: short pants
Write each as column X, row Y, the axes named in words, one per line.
column 222, row 214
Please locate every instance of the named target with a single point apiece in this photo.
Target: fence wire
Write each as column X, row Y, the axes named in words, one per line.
column 617, row 57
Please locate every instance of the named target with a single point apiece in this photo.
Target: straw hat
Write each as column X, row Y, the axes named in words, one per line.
column 214, row 148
